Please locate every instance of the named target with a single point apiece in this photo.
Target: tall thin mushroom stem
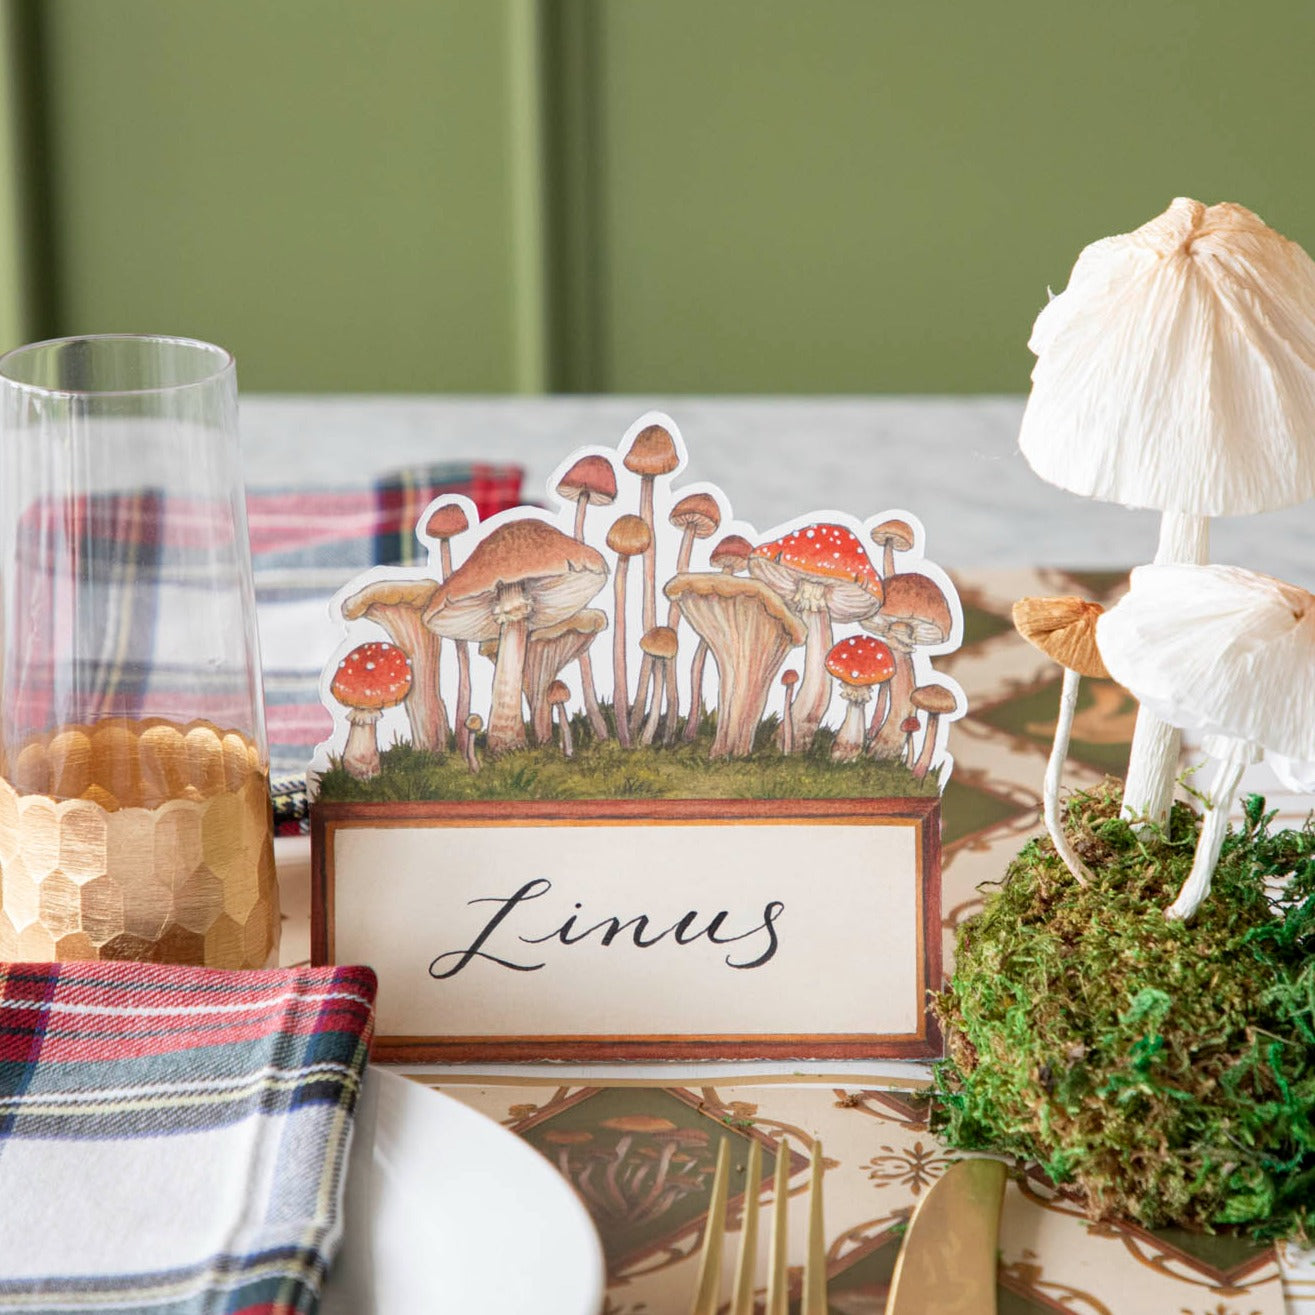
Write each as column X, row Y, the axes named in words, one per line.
column 462, row 710
column 1153, row 757
column 1068, row 702
column 1234, row 758
column 506, row 724
column 620, row 686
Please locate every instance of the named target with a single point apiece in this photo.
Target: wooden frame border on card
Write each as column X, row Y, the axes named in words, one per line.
column 921, row 813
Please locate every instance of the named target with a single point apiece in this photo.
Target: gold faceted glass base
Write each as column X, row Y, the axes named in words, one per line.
column 186, row 880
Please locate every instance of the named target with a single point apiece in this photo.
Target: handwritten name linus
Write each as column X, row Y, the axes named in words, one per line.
column 643, row 936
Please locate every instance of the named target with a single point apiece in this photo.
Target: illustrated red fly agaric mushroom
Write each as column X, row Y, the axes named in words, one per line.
column 858, row 663
column 370, row 678
column 937, row 702
column 822, row 573
column 445, row 522
column 628, row 537
column 591, row 480
column 749, row 631
column 398, row 607
column 523, row 575
column 652, row 453
column 891, row 536
column 914, row 613
column 1064, row 629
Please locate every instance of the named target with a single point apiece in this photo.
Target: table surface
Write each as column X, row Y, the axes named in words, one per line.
column 954, row 463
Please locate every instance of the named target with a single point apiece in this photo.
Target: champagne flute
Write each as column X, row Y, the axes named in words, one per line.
column 134, row 768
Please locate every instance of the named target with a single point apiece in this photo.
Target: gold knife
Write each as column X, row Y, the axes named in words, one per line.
column 947, row 1265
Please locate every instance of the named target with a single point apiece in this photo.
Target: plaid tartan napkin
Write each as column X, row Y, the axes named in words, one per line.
column 174, row 1140
column 307, row 544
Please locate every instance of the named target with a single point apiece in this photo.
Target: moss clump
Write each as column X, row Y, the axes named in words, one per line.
column 1167, row 1070
column 604, row 770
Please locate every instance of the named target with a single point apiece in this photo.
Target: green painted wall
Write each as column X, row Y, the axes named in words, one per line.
column 636, row 195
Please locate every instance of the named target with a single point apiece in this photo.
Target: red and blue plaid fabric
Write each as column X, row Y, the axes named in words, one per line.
column 174, row 1140
column 307, row 544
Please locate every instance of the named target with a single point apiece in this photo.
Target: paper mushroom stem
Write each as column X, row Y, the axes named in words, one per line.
column 506, row 724
column 1153, row 756
column 848, row 744
column 1068, row 702
column 813, row 695
column 360, row 755
column 1237, row 755
column 620, row 688
column 888, row 742
column 592, row 711
column 698, row 662
column 462, row 709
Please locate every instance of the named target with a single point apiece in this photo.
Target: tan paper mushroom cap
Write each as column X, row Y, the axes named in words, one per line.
column 1177, row 369
column 1223, row 650
column 559, row 574
column 1064, row 629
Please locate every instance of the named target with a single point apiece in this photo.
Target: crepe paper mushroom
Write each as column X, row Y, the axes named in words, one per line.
column 558, row 697
column 749, row 630
column 1064, row 629
column 659, row 647
column 398, row 606
column 910, row 726
column 547, row 654
column 858, row 663
column 1177, row 372
column 823, row 574
column 474, row 724
column 891, row 537
column 936, row 701
column 1230, row 653
column 914, row 613
column 591, row 481
column 730, row 555
column 523, row 575
column 789, row 679
column 445, row 522
column 628, row 537
column 370, row 678
column 652, row 453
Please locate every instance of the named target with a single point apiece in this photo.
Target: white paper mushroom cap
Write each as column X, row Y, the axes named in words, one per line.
column 1177, row 369
column 1220, row 649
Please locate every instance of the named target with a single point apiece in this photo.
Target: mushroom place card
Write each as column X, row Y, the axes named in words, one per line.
column 623, row 776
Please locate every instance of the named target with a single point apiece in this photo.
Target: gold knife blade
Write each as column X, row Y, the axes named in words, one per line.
column 947, row 1264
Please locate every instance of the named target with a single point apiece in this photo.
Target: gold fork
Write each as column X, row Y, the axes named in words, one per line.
column 709, row 1280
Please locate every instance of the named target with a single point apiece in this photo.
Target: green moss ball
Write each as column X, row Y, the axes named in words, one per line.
column 1165, row 1069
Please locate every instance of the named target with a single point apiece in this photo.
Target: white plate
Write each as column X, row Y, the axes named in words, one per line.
column 445, row 1210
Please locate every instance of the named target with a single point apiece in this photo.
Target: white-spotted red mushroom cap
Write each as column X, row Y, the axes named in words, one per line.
column 829, row 555
column 1177, row 369
column 861, row 660
column 1219, row 649
column 372, row 676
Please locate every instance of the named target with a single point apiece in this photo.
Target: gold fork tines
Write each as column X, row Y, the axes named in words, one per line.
column 709, row 1272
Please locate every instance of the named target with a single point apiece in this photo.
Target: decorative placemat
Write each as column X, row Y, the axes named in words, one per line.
column 642, row 1156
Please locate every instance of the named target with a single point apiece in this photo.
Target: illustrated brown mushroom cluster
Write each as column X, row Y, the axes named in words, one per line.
column 704, row 619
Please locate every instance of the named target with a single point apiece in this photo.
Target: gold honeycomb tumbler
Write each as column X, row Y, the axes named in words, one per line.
column 134, row 771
